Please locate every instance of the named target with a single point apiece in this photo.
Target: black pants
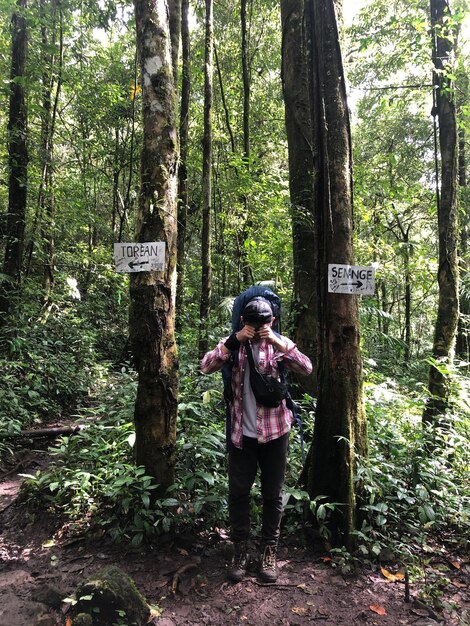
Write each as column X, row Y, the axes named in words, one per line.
column 243, row 465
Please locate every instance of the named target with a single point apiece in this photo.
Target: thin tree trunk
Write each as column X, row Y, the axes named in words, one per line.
column 152, row 308
column 183, row 166
column 246, row 271
column 206, row 280
column 17, row 156
column 52, row 83
column 404, row 240
column 407, row 307
column 340, row 427
column 448, row 302
column 224, row 101
column 246, row 82
column 174, row 11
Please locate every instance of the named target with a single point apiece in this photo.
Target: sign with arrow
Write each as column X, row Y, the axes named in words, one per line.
column 148, row 256
column 351, row 279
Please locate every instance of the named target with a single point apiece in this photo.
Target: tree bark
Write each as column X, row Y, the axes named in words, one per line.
column 174, row 11
column 206, row 263
column 340, row 427
column 462, row 345
column 302, row 175
column 152, row 307
column 17, row 155
column 183, row 166
column 448, row 301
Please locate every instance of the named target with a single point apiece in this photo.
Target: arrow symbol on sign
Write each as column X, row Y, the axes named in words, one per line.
column 133, row 264
column 358, row 284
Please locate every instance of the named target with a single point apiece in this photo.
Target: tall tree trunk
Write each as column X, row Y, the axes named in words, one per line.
column 246, row 271
column 462, row 345
column 448, row 303
column 404, row 241
column 17, row 156
column 340, row 428
column 52, row 37
column 407, row 306
column 152, row 308
column 206, row 263
column 183, row 166
column 302, row 172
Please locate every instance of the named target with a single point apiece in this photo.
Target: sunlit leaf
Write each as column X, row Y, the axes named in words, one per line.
column 392, row 577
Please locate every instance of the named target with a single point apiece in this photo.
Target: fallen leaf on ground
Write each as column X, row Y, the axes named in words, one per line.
column 326, row 559
column 377, row 609
column 392, row 577
column 299, row 610
column 155, row 611
column 458, row 584
column 456, row 564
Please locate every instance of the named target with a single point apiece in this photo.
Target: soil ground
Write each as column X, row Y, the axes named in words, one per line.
column 184, row 579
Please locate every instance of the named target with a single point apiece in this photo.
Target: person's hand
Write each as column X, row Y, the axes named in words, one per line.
column 246, row 333
column 266, row 332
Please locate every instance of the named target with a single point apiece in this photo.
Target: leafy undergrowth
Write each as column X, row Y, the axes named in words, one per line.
column 51, row 358
column 415, row 501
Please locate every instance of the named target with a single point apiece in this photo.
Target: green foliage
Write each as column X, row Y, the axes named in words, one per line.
column 55, row 358
column 414, row 484
column 95, row 484
column 413, row 487
column 48, row 363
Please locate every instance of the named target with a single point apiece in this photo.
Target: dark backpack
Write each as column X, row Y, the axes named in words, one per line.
column 239, row 304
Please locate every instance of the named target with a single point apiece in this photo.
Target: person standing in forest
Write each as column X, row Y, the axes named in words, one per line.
column 259, row 434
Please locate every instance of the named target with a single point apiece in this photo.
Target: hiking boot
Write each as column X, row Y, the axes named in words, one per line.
column 239, row 564
column 268, row 564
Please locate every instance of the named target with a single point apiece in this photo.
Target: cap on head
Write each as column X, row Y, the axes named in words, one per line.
column 258, row 311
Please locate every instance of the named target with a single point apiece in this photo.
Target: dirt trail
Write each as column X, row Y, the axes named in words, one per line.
column 38, row 570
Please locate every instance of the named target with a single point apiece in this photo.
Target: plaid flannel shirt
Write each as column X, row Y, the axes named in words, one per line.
column 272, row 422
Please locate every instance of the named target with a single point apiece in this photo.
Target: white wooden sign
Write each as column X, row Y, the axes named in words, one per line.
column 351, row 279
column 140, row 257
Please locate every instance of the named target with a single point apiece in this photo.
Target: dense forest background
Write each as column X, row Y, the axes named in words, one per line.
column 65, row 353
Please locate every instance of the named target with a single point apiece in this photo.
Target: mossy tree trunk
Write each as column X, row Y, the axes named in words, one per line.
column 462, row 345
column 17, row 156
column 340, row 428
column 448, row 271
column 302, row 173
column 152, row 308
column 206, row 257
